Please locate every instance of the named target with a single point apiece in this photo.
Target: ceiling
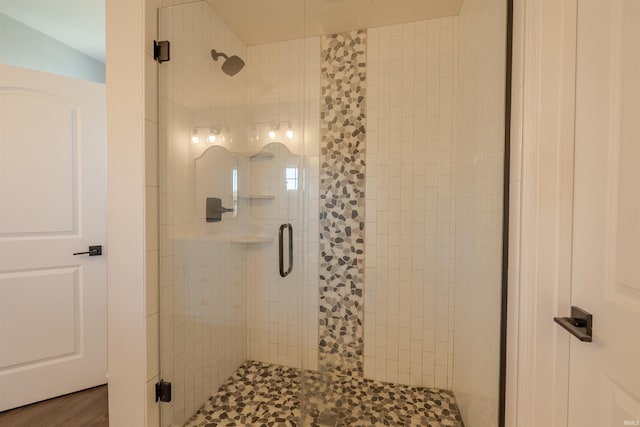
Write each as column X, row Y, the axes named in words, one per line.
column 76, row 23
column 266, row 21
column 80, row 24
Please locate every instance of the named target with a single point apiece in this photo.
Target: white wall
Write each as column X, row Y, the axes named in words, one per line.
column 132, row 158
column 479, row 175
column 410, row 199
column 126, row 212
column 26, row 47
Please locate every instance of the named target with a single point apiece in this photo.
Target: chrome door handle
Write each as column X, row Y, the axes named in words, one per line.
column 580, row 324
column 284, row 273
column 93, row 251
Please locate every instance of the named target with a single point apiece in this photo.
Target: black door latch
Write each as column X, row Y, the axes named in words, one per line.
column 93, row 251
column 580, row 324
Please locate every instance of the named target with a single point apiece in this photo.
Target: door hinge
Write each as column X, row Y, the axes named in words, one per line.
column 162, row 51
column 163, row 391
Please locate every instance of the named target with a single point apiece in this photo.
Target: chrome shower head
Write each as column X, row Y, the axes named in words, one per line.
column 232, row 65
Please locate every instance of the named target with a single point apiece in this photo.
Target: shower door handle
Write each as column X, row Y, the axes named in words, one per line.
column 283, row 227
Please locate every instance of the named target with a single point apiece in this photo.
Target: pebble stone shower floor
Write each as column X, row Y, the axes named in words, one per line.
column 261, row 394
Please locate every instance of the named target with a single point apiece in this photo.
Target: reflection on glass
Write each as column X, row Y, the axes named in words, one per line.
column 216, row 175
column 291, row 175
column 234, row 185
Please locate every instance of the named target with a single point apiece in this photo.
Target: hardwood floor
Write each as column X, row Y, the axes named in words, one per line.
column 87, row 408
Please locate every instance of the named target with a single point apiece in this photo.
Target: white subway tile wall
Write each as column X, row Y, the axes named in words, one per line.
column 311, row 201
column 274, row 303
column 283, row 91
column 410, row 230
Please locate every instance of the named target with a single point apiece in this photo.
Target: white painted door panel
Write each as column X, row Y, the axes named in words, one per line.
column 52, row 204
column 605, row 375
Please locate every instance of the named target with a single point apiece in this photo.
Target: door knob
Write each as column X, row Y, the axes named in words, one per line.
column 93, row 251
column 580, row 324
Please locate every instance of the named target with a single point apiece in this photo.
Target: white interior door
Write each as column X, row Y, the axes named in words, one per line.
column 53, row 313
column 605, row 374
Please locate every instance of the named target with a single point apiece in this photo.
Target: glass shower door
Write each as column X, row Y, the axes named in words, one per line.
column 232, row 168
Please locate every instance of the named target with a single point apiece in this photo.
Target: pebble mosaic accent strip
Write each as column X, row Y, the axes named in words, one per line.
column 260, row 394
column 342, row 202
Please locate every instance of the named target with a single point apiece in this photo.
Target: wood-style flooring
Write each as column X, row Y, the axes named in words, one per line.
column 87, row 408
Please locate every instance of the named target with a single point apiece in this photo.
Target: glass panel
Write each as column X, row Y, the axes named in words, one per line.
column 232, row 161
column 411, row 158
column 376, row 132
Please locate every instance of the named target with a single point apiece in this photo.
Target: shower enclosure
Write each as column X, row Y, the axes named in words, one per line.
column 331, row 212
